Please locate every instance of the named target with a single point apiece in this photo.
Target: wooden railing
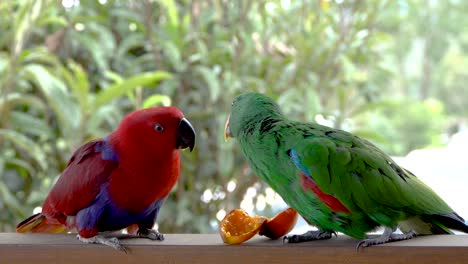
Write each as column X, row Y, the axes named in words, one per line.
column 208, row 248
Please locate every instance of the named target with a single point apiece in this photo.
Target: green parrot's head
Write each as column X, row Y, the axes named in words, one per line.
column 249, row 108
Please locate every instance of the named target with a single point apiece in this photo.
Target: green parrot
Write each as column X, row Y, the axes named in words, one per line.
column 335, row 180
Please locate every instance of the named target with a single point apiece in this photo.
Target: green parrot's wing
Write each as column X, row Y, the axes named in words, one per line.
column 363, row 178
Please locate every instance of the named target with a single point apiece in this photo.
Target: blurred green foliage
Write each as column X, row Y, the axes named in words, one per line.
column 391, row 71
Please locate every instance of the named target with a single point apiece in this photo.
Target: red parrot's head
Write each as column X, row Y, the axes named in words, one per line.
column 159, row 128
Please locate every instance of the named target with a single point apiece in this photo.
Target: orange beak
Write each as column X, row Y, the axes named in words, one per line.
column 227, row 131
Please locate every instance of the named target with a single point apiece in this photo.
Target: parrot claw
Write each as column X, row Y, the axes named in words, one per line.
column 386, row 237
column 334, row 233
column 98, row 239
column 309, row 236
column 150, row 234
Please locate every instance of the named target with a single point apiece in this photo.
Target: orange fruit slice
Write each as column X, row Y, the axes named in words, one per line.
column 132, row 229
column 279, row 225
column 237, row 226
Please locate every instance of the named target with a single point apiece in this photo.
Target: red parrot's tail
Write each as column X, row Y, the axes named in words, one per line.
column 39, row 223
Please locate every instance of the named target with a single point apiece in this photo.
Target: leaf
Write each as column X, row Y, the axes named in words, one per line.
column 371, row 135
column 4, row 60
column 23, row 164
column 172, row 53
column 291, row 101
column 27, row 178
column 38, row 55
column 209, row 76
column 312, row 102
column 128, row 43
column 80, row 85
column 65, row 108
column 124, row 13
column 172, row 13
column 107, row 113
column 172, row 26
column 371, row 106
column 29, row 124
column 113, row 76
column 103, row 35
column 9, row 198
column 13, row 99
column 25, row 143
column 349, row 69
column 52, row 20
column 288, row 73
column 157, row 99
column 26, row 16
column 127, row 85
column 94, row 48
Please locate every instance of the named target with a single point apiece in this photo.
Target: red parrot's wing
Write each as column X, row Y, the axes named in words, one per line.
column 88, row 169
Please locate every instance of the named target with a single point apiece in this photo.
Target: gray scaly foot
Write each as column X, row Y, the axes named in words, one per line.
column 386, row 237
column 111, row 242
column 151, row 234
column 309, row 236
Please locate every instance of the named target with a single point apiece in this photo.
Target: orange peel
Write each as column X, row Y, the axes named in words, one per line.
column 237, row 226
column 279, row 225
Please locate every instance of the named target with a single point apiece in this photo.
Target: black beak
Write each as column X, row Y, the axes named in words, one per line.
column 185, row 135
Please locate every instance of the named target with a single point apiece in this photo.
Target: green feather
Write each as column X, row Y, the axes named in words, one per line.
column 363, row 178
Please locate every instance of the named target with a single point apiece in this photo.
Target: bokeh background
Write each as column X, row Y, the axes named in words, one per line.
column 394, row 72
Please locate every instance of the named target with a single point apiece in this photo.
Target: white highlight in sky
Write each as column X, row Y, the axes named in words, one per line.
column 79, row 27
column 220, row 214
column 251, row 192
column 231, row 186
column 207, row 196
column 261, row 202
column 70, row 3
column 37, row 210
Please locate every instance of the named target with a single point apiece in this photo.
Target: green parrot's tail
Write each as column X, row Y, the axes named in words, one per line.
column 434, row 224
column 443, row 222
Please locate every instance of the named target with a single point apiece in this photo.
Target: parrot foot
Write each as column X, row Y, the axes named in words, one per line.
column 150, row 234
column 386, row 237
column 98, row 239
column 309, row 236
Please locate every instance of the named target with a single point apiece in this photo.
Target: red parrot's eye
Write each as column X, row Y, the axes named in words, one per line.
column 158, row 128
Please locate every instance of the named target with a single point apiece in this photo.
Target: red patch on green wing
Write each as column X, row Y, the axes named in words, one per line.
column 334, row 204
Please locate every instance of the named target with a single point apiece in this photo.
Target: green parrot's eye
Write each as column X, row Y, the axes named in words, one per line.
column 158, row 128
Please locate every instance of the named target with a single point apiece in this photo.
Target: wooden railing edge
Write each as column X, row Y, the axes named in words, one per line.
column 208, row 248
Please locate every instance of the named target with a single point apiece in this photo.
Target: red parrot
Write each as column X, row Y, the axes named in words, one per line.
column 118, row 181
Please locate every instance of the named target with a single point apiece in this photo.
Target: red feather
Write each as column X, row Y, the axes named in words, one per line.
column 149, row 167
column 79, row 183
column 334, row 204
column 137, row 164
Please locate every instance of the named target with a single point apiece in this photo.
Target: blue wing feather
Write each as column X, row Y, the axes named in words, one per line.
column 104, row 214
column 297, row 162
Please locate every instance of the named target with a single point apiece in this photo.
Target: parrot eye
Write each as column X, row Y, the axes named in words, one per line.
column 158, row 128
